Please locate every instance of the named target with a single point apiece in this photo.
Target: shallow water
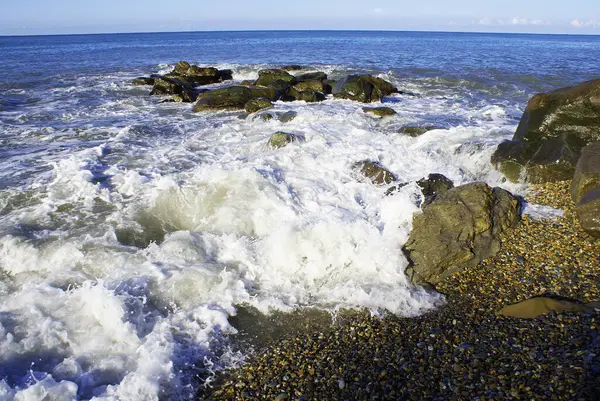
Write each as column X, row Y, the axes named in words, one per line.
column 130, row 229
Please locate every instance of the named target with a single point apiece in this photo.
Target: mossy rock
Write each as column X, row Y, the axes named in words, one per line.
column 281, row 139
column 414, row 131
column 282, row 117
column 547, row 160
column 307, row 96
column 380, row 111
column 375, row 172
column 310, row 86
column 292, row 67
column 143, row 81
column 202, row 72
column 230, row 98
column 254, row 105
column 312, row 76
column 363, row 88
column 181, row 68
column 170, row 86
column 458, row 230
column 267, row 77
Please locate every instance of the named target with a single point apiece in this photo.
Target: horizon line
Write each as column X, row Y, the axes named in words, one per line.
column 297, row 30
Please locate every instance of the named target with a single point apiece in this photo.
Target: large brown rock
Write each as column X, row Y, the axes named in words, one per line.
column 539, row 306
column 587, row 172
column 267, row 77
column 230, row 98
column 588, row 212
column 458, row 230
column 553, row 129
column 363, row 88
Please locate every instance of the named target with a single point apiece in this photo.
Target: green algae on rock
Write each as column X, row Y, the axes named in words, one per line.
column 375, row 172
column 363, row 88
column 380, row 111
column 254, row 105
column 281, row 139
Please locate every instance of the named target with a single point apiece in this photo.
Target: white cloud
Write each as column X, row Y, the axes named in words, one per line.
column 585, row 24
column 526, row 21
column 485, row 21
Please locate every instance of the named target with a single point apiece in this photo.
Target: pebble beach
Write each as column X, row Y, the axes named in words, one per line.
column 463, row 350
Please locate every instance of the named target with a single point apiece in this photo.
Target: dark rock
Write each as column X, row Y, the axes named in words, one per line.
column 458, row 230
column 281, row 139
column 553, row 129
column 380, row 111
column 588, row 212
column 311, row 76
column 254, row 105
column 292, row 67
column 395, row 188
column 181, row 68
column 283, row 117
column 307, row 96
column 143, row 81
column 230, row 98
column 171, row 86
column 225, row 75
column 287, row 116
column 267, row 77
column 363, row 88
column 375, row 172
column 196, row 71
column 539, row 161
column 587, row 172
column 433, row 186
column 415, row 131
column 268, row 93
column 573, row 109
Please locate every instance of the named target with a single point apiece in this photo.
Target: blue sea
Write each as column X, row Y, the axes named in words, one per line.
column 132, row 230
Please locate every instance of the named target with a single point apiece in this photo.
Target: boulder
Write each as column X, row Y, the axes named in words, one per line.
column 553, row 129
column 363, row 88
column 254, row 105
column 380, row 111
column 281, row 139
column 433, row 186
column 181, row 68
column 458, row 230
column 194, row 75
column 309, row 96
column 282, row 117
column 539, row 161
column 267, row 77
column 271, row 94
column 312, row 76
column 314, row 85
column 585, row 189
column 375, row 172
column 171, row 86
column 587, row 172
column 230, row 98
column 143, row 81
column 292, row 67
column 539, row 306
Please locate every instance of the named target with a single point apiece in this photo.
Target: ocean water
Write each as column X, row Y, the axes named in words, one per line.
column 132, row 230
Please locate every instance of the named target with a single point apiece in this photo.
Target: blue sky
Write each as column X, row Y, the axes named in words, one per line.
column 24, row 17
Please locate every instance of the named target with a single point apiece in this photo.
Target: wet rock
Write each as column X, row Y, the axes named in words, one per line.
column 375, row 172
column 552, row 131
column 458, row 230
column 194, row 75
column 587, row 172
column 309, row 96
column 143, row 81
column 539, row 306
column 588, row 212
column 254, row 105
column 181, row 68
column 171, row 86
column 380, row 111
column 281, row 139
column 363, row 88
column 546, row 160
column 267, row 77
column 314, row 85
column 283, row 117
column 312, row 76
column 292, row 67
column 271, row 94
column 415, row 131
column 230, row 98
column 433, row 186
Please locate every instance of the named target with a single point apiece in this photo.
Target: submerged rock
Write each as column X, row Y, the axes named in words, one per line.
column 254, row 105
column 309, row 96
column 283, row 117
column 415, row 131
column 433, row 186
column 363, row 88
column 458, row 230
column 380, row 111
column 553, row 129
column 375, row 172
column 292, row 67
column 281, row 139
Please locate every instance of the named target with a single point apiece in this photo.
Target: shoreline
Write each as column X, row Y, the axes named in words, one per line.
column 462, row 350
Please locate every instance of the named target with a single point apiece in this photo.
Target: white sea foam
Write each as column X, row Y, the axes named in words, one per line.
column 226, row 221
